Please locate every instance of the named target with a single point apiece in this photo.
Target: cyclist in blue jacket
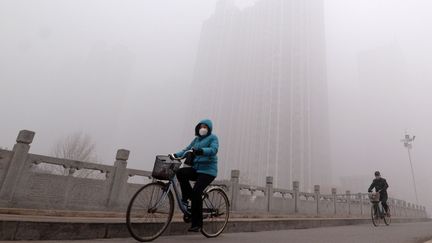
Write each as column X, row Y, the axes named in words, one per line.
column 202, row 170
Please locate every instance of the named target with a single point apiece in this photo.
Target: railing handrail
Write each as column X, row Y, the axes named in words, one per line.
column 67, row 163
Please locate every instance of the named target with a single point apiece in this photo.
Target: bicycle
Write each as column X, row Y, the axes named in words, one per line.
column 151, row 209
column 377, row 210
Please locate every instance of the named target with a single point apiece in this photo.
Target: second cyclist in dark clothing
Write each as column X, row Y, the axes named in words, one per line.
column 380, row 185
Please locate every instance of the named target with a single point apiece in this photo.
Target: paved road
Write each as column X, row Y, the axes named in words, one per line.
column 396, row 233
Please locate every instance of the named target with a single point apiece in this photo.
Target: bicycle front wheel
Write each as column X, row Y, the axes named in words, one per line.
column 215, row 212
column 150, row 211
column 375, row 215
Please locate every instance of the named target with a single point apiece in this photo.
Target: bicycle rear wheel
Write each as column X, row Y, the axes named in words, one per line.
column 375, row 215
column 215, row 212
column 150, row 211
column 387, row 218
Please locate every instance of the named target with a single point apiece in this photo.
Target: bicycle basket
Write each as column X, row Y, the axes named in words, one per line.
column 164, row 168
column 374, row 197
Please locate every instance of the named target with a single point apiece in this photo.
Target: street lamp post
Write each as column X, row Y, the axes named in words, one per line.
column 408, row 141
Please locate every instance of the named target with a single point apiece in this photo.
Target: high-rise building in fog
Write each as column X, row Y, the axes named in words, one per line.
column 261, row 76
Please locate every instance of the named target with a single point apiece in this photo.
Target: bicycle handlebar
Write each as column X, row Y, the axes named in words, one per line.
column 180, row 158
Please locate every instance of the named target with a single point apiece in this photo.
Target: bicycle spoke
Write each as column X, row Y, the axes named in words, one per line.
column 216, row 213
column 149, row 212
column 220, row 202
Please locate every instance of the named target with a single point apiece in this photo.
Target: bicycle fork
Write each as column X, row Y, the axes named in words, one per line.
column 162, row 198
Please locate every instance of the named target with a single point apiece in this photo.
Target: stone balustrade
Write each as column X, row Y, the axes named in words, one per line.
column 24, row 186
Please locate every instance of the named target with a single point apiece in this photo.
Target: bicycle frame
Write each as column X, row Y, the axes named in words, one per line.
column 171, row 185
column 380, row 209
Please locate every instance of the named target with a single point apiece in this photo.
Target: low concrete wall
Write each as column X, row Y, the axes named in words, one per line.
column 24, row 185
column 31, row 230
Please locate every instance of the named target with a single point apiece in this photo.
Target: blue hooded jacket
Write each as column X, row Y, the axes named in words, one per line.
column 206, row 163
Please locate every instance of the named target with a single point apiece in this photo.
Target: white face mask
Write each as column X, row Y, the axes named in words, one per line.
column 203, row 132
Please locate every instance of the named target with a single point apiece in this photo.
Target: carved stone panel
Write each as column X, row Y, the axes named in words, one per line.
column 87, row 193
column 41, row 191
column 5, row 157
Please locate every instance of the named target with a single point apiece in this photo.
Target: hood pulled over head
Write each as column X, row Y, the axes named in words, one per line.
column 206, row 122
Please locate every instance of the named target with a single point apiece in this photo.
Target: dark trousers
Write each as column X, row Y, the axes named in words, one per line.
column 184, row 176
column 383, row 199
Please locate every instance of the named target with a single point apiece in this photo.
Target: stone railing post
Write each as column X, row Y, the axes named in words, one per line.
column 235, row 178
column 296, row 188
column 317, row 198
column 409, row 210
column 360, row 197
column 401, row 208
column 118, row 190
column 269, row 192
column 348, row 198
column 333, row 191
column 395, row 207
column 16, row 165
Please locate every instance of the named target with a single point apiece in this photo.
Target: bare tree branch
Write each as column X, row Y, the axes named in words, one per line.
column 77, row 146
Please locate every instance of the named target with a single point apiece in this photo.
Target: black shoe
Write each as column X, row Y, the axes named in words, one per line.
column 194, row 229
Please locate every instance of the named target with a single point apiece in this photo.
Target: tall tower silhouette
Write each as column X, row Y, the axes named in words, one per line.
column 260, row 75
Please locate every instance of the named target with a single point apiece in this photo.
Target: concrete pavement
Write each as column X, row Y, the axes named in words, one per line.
column 396, row 233
column 80, row 228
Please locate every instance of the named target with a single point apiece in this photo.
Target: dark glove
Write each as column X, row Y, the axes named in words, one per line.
column 198, row 151
column 190, row 157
